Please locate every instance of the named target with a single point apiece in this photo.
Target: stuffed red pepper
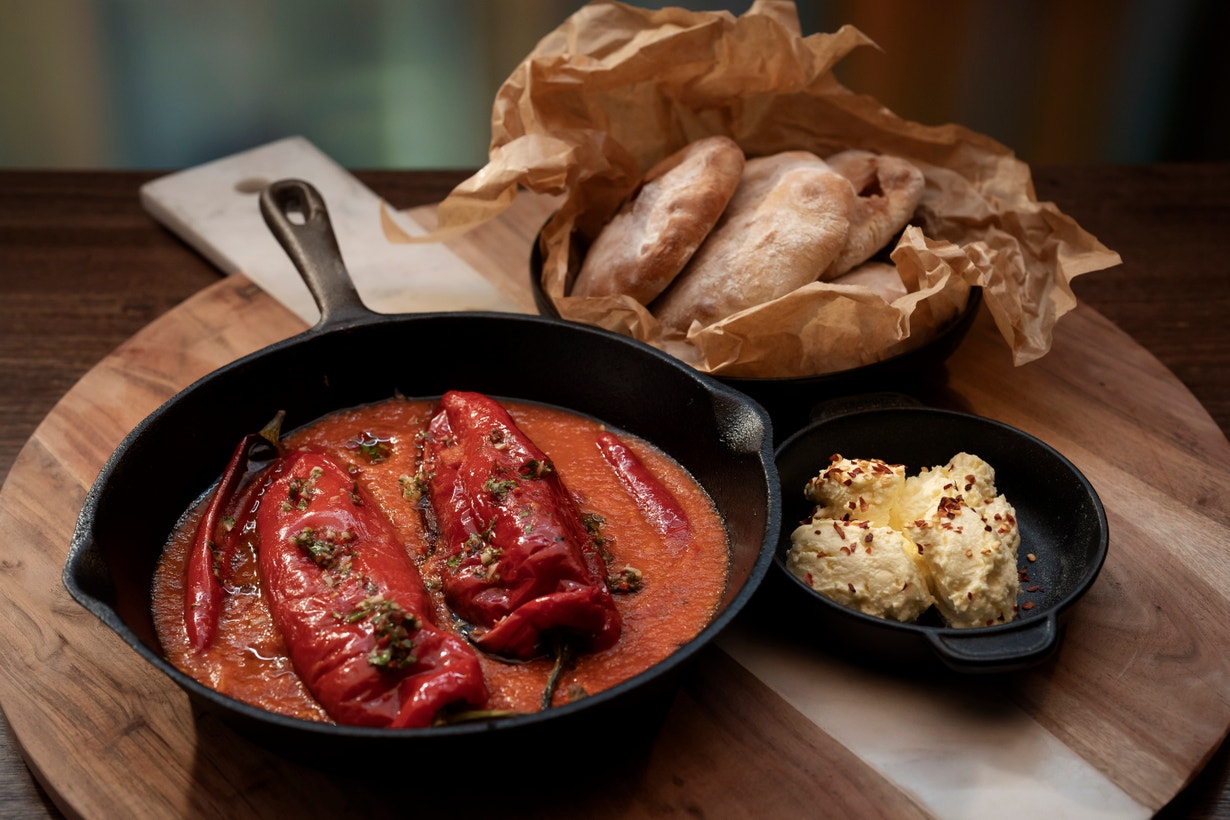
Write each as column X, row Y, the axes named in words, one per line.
column 521, row 564
column 350, row 603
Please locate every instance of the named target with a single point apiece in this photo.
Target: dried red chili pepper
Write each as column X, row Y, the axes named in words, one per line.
column 521, row 565
column 350, row 604
column 654, row 500
column 213, row 547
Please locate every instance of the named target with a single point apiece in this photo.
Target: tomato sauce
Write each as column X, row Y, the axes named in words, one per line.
column 380, row 443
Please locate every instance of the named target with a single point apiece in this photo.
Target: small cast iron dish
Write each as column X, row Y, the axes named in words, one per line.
column 353, row 356
column 1060, row 517
column 789, row 400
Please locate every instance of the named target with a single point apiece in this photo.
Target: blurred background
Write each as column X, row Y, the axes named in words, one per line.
column 165, row 84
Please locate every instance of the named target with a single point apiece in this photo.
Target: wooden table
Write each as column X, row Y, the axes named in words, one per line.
column 82, row 268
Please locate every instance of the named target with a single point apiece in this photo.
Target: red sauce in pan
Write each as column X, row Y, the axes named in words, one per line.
column 680, row 591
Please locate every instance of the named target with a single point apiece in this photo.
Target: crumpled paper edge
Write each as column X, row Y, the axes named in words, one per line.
column 1026, row 284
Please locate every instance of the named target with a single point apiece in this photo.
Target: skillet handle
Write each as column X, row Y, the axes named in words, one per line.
column 296, row 214
column 975, row 651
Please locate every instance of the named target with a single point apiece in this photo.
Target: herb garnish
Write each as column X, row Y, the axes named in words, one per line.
column 323, row 547
column 375, row 449
column 392, row 627
column 533, row 468
column 300, row 491
column 628, row 579
column 500, row 487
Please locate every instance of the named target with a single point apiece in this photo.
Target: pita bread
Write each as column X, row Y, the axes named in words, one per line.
column 785, row 224
column 889, row 189
column 654, row 234
column 880, row 277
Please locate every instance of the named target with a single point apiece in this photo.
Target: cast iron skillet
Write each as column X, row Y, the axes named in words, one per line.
column 1060, row 517
column 353, row 356
column 789, row 401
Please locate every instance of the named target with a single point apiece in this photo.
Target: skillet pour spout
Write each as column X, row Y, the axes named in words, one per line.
column 353, row 356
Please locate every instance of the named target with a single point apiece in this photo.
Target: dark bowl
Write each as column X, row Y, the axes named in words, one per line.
column 790, row 400
column 1060, row 517
column 354, row 357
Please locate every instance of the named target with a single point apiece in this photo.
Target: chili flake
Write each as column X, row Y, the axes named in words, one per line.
column 323, row 547
column 628, row 579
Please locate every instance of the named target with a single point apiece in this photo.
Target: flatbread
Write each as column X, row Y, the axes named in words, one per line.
column 783, row 227
column 654, row 234
column 880, row 277
column 889, row 189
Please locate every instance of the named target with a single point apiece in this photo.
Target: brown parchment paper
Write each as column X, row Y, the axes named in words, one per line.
column 616, row 88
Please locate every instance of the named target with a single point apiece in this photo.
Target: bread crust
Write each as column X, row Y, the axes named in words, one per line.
column 889, row 189
column 785, row 224
column 658, row 229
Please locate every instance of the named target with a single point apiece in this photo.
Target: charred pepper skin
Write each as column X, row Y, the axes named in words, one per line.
column 654, row 500
column 350, row 604
column 521, row 565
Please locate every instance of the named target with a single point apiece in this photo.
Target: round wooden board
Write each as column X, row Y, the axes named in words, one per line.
column 1140, row 688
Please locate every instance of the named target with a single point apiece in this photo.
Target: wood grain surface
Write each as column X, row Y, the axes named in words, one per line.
column 82, row 270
